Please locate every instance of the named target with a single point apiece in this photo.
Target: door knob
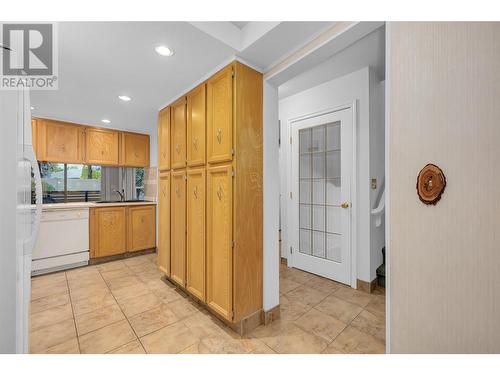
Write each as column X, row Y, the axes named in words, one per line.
column 344, row 205
column 219, row 135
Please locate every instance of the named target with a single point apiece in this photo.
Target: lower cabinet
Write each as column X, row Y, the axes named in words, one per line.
column 195, row 225
column 220, row 240
column 120, row 229
column 164, row 223
column 178, row 228
column 141, row 231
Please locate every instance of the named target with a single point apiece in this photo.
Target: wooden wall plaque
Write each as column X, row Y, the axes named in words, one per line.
column 431, row 182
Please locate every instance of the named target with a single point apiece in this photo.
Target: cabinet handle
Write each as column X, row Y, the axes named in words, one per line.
column 178, row 148
column 219, row 192
column 177, row 190
column 219, row 135
column 195, row 143
column 195, row 192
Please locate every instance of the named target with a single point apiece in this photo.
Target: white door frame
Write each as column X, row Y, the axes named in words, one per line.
column 354, row 190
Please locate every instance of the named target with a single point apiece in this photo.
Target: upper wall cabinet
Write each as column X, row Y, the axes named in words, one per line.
column 56, row 141
column 102, row 146
column 134, row 150
column 179, row 134
column 164, row 139
column 220, row 116
column 196, row 126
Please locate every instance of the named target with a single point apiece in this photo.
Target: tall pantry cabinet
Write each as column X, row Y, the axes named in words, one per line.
column 215, row 203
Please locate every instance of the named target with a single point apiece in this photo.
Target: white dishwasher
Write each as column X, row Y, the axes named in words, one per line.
column 63, row 240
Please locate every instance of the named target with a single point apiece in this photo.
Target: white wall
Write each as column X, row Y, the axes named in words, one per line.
column 8, row 199
column 443, row 84
column 344, row 90
column 271, row 198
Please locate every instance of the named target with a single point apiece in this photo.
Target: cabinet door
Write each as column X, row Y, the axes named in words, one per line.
column 60, row 142
column 102, row 146
column 195, row 262
column 179, row 134
column 164, row 139
column 220, row 116
column 135, row 150
column 107, row 231
column 219, row 240
column 178, row 225
column 196, row 126
column 164, row 223
column 141, row 229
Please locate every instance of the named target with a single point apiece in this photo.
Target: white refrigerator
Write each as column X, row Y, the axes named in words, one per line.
column 20, row 219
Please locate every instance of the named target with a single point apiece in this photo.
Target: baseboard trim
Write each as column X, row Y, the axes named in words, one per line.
column 284, row 261
column 365, row 286
column 270, row 316
column 126, row 255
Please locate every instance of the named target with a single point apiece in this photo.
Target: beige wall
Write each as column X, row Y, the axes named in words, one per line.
column 444, row 92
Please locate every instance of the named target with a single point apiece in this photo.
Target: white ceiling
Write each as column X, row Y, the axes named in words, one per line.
column 240, row 24
column 100, row 60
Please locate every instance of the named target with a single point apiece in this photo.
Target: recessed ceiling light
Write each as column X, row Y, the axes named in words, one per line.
column 106, row 121
column 32, row 108
column 164, row 51
column 125, row 98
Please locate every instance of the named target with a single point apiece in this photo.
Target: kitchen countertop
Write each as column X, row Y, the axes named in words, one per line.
column 73, row 205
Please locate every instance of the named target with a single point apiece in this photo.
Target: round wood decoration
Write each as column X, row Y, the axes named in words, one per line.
column 430, row 184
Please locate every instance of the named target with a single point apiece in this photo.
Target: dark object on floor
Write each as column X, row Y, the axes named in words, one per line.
column 381, row 271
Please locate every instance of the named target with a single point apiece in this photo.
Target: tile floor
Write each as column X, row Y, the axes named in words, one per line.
column 124, row 307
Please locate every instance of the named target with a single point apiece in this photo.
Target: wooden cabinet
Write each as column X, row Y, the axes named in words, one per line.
column 141, row 230
column 58, row 142
column 196, row 126
column 220, row 255
column 220, row 116
column 220, row 239
column 134, row 150
column 178, row 134
column 164, row 223
column 164, row 139
column 102, row 146
column 108, row 231
column 178, row 228
column 195, row 225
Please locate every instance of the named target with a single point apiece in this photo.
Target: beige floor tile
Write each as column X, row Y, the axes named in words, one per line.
column 152, row 320
column 286, row 337
column 88, row 291
column 114, row 274
column 68, row 347
column 130, row 291
column 291, row 310
column 48, row 302
column 90, row 281
column 47, row 337
column 204, row 325
column 143, row 267
column 184, row 307
column 193, row 349
column 59, row 287
column 111, row 266
column 323, row 285
column 134, row 261
column 48, row 280
column 320, row 324
column 219, row 345
column 286, row 285
column 297, row 275
column 171, row 339
column 100, row 299
column 168, row 294
column 352, row 340
column 133, row 347
column 153, row 284
column 353, row 296
column 50, row 316
column 136, row 305
column 330, row 349
column 306, row 296
column 371, row 324
column 377, row 305
column 255, row 346
column 99, row 318
column 82, row 272
column 123, row 282
column 107, row 338
column 339, row 309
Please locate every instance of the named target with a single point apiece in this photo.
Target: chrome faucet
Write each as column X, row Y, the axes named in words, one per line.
column 121, row 194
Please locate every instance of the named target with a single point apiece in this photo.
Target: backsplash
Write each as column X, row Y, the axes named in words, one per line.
column 150, row 183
